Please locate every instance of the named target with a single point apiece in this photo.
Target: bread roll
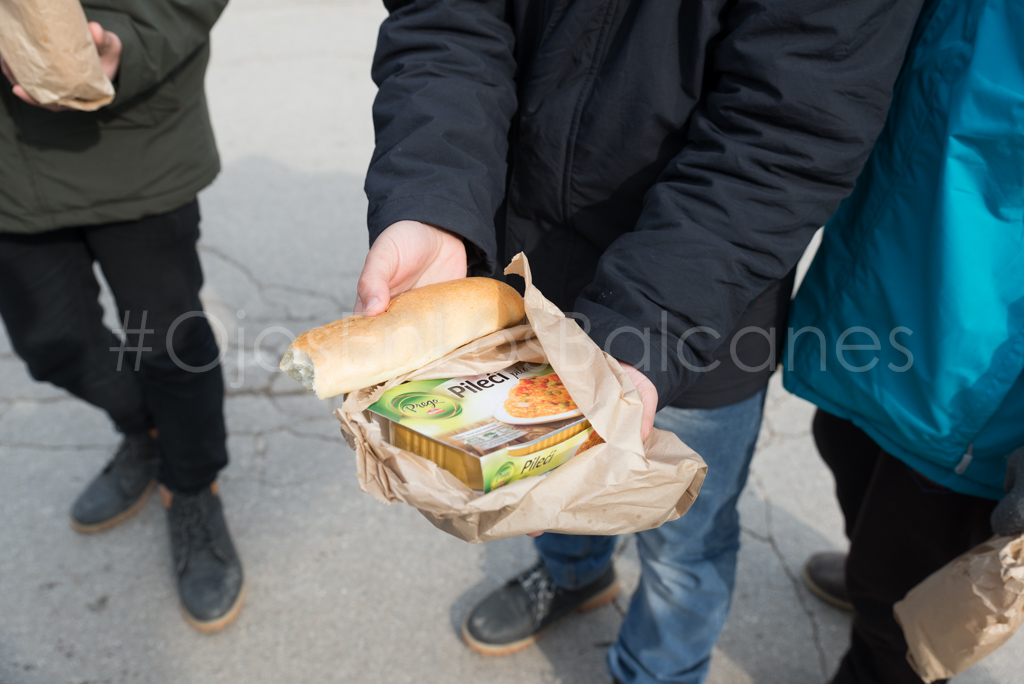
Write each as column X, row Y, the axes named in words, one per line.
column 419, row 326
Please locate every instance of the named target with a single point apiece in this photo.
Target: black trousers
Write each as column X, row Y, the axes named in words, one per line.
column 902, row 528
column 164, row 373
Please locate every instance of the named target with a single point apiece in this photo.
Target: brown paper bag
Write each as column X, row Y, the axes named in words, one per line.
column 50, row 51
column 617, row 487
column 965, row 610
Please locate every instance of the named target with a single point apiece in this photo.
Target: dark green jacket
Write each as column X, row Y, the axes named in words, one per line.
column 149, row 151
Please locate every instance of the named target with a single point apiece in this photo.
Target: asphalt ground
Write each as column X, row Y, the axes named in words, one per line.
column 340, row 587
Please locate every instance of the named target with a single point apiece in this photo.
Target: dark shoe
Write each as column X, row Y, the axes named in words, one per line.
column 119, row 491
column 825, row 576
column 513, row 617
column 209, row 573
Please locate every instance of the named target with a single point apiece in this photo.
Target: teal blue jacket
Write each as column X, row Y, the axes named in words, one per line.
column 910, row 322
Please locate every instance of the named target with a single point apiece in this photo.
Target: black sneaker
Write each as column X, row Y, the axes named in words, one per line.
column 209, row 574
column 825, row 576
column 513, row 617
column 120, row 490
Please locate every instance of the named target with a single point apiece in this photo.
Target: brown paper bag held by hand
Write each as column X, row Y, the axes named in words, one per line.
column 48, row 47
column 965, row 610
column 617, row 487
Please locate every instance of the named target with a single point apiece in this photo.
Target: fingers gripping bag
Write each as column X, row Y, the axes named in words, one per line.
column 51, row 52
column 615, row 487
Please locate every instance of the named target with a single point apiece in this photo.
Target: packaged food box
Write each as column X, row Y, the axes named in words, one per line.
column 487, row 430
column 620, row 487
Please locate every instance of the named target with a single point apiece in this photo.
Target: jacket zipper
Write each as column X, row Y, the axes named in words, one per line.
column 585, row 92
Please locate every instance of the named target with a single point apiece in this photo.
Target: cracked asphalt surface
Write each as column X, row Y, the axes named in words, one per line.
column 341, row 588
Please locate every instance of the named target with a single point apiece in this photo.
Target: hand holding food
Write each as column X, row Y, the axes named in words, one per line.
column 493, row 442
column 407, row 255
column 488, row 430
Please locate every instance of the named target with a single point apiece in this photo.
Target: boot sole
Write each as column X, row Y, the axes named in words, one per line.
column 217, row 624
column 603, row 598
column 83, row 528
column 828, row 598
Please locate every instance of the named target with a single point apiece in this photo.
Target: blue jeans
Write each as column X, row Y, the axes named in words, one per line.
column 688, row 566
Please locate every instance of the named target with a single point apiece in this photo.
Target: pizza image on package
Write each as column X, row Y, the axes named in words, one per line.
column 539, row 397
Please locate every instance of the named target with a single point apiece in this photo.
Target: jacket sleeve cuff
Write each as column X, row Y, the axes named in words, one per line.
column 481, row 246
column 652, row 352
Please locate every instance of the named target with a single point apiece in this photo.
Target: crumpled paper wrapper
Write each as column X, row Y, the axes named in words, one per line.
column 965, row 610
column 618, row 487
column 50, row 51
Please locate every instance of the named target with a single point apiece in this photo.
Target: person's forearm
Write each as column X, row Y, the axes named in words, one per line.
column 770, row 154
column 442, row 115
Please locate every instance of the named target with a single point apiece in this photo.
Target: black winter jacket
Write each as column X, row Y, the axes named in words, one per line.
column 662, row 163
